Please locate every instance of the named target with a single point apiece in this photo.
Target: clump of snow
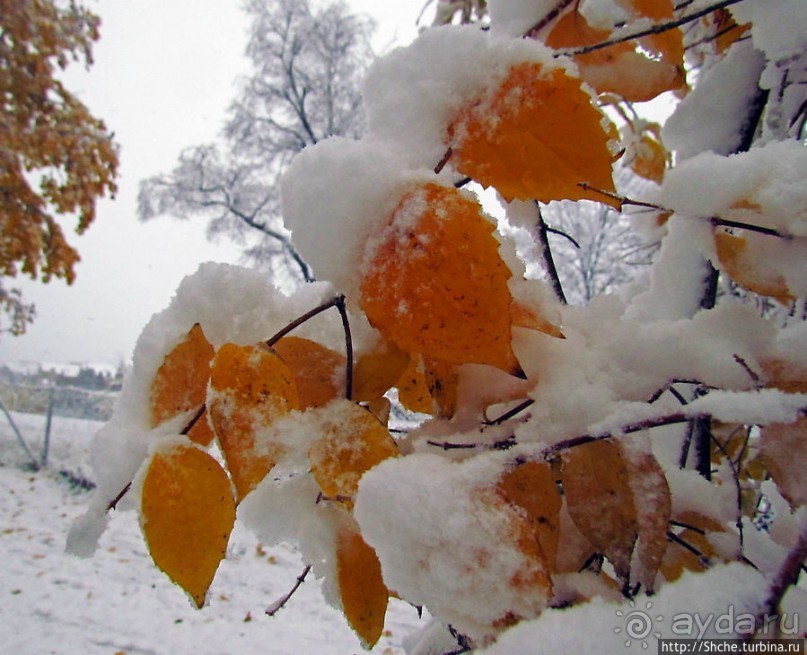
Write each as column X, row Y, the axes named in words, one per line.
column 720, row 603
column 446, row 541
column 764, row 187
column 779, row 26
column 603, row 14
column 713, row 116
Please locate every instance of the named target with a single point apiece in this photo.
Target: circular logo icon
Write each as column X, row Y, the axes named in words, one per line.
column 637, row 625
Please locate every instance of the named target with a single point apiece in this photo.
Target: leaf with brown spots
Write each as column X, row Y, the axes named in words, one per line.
column 436, row 284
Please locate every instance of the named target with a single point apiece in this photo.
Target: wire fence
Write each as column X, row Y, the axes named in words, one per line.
column 50, row 402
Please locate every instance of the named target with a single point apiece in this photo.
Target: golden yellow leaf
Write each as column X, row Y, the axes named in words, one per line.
column 180, row 384
column 188, row 513
column 413, row 390
column 619, row 68
column 600, row 500
column 538, row 136
column 250, row 388
column 748, row 262
column 784, row 451
column 361, row 586
column 353, row 441
column 785, row 376
column 377, row 370
column 532, row 488
column 436, row 284
column 319, row 372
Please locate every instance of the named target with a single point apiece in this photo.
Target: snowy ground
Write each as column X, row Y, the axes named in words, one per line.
column 117, row 602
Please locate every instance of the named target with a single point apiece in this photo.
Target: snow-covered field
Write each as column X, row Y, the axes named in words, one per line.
column 117, row 602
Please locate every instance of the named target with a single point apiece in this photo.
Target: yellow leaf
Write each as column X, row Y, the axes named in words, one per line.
column 726, row 30
column 188, row 513
column 532, row 488
column 361, row 586
column 250, row 388
column 180, row 384
column 377, row 370
column 436, row 284
column 600, row 500
column 319, row 372
column 353, row 442
column 537, row 136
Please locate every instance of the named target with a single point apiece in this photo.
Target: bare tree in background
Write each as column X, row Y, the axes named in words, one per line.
column 308, row 63
column 596, row 250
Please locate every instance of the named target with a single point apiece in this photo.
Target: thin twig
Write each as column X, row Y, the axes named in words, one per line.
column 113, row 504
column 510, row 413
column 769, row 231
column 275, row 607
column 546, row 256
column 554, row 230
column 333, row 302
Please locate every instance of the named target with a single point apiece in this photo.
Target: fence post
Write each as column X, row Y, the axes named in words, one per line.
column 34, row 463
column 43, row 460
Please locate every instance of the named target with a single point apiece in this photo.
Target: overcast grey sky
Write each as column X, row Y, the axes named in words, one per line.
column 164, row 74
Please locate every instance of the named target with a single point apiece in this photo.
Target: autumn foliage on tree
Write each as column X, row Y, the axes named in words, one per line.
column 561, row 464
column 56, row 159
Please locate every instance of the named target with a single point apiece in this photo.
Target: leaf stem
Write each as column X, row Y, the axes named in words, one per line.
column 333, row 302
column 542, row 231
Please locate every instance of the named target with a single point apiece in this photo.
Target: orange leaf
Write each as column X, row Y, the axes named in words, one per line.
column 180, row 384
column 413, row 390
column 436, row 284
column 354, row 441
column 784, row 451
column 538, row 136
column 726, row 30
column 653, row 509
column 531, row 487
column 361, row 586
column 620, row 68
column 651, row 159
column 529, row 317
column 188, row 513
column 600, row 500
column 250, row 388
column 442, row 379
column 377, row 370
column 318, row 371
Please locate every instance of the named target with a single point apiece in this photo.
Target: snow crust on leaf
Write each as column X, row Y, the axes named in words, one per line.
column 713, row 116
column 333, row 195
column 447, row 541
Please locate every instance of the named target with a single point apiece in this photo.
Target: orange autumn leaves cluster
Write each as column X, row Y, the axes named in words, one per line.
column 238, row 393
